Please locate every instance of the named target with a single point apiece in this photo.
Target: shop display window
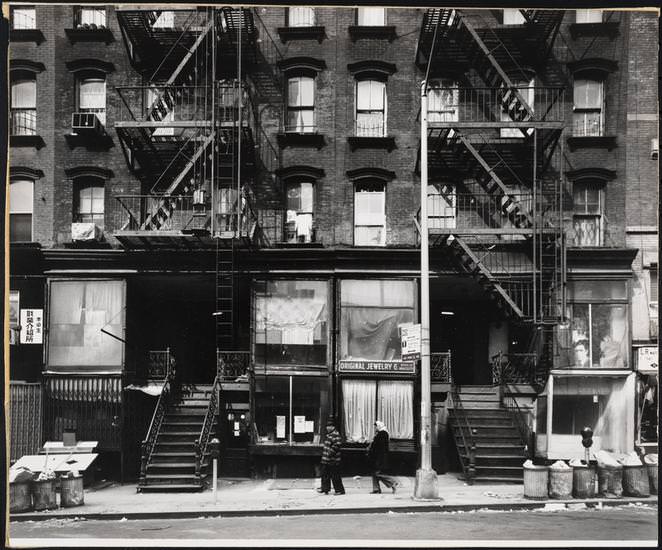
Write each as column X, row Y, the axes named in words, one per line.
column 599, row 336
column 290, row 409
column 365, row 401
column 370, row 314
column 290, row 323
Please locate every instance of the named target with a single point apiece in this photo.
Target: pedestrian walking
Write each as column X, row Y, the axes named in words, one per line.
column 331, row 461
column 378, row 456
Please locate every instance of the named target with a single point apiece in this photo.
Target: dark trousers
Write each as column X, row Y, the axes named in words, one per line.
column 378, row 476
column 331, row 473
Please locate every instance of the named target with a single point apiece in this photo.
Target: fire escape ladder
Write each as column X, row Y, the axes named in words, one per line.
column 474, row 266
column 225, row 296
column 161, row 214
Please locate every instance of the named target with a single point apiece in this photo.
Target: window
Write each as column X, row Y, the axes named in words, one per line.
column 20, row 210
column 90, row 17
column 588, row 110
column 301, row 104
column 370, row 108
column 371, row 17
column 588, row 16
column 442, row 207
column 300, row 17
column 299, row 222
column 652, row 274
column 512, row 16
column 527, row 91
column 290, row 409
column 23, row 18
column 369, row 214
column 13, row 317
column 290, row 323
column 89, row 202
column 91, row 96
column 24, row 106
column 371, row 311
column 588, row 214
column 365, row 401
column 78, row 312
column 443, row 101
column 165, row 20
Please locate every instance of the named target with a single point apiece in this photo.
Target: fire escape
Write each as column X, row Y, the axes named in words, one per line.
column 494, row 198
column 191, row 136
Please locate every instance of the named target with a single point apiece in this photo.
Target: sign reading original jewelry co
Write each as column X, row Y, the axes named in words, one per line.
column 400, row 367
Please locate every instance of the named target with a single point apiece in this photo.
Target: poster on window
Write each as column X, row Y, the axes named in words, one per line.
column 410, row 341
column 32, row 326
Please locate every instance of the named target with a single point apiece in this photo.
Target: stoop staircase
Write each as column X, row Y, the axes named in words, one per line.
column 171, row 466
column 488, row 441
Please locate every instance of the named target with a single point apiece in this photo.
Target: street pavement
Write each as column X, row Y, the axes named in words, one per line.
column 624, row 525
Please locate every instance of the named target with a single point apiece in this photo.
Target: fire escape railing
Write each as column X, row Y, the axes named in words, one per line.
column 232, row 365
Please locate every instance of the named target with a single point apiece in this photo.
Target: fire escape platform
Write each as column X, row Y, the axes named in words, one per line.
column 179, row 239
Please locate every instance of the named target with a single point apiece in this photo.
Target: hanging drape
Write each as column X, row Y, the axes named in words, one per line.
column 615, row 427
column 395, row 407
column 373, row 333
column 359, row 409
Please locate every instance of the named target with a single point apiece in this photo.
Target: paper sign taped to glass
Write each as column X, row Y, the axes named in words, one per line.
column 410, row 341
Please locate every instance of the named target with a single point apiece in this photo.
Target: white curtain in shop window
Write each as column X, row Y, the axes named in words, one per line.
column 67, row 303
column 615, row 427
column 359, row 409
column 295, row 318
column 373, row 333
column 395, row 408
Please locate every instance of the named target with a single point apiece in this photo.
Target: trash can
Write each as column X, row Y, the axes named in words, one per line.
column 560, row 482
column 71, row 491
column 635, row 481
column 20, row 497
column 536, row 479
column 43, row 494
column 610, row 481
column 652, row 477
column 583, row 482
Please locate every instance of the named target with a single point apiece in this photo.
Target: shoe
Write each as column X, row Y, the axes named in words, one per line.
column 339, row 493
column 323, row 492
column 375, row 492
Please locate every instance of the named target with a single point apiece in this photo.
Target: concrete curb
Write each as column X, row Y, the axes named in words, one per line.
column 422, row 508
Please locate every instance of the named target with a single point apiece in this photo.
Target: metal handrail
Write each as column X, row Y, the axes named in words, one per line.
column 201, row 445
column 466, row 432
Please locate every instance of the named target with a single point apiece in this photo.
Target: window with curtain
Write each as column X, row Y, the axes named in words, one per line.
column 21, row 201
column 513, row 16
column 370, row 108
column 371, row 17
column 443, row 101
column 290, row 409
column 442, row 206
column 88, row 16
column 299, row 221
column 78, row 312
column 365, row 401
column 23, row 18
column 370, row 214
column 587, row 219
column 91, row 96
column 290, row 323
column 300, row 17
column 89, row 201
column 527, row 91
column 588, row 16
column 24, row 105
column 165, row 20
column 588, row 108
column 301, row 104
column 370, row 313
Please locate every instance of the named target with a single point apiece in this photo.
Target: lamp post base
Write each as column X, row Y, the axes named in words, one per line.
column 426, row 486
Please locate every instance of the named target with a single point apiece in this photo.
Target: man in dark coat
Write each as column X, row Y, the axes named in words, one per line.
column 378, row 456
column 331, row 461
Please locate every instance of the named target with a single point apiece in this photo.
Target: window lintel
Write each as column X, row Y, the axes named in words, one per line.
column 370, row 173
column 89, row 172
column 379, row 70
column 92, row 65
column 295, row 66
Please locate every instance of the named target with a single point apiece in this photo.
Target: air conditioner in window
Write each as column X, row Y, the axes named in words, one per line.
column 86, row 124
column 85, row 232
column 655, row 146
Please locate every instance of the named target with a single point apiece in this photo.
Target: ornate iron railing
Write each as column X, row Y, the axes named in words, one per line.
column 231, row 365
column 468, row 460
column 201, row 445
column 147, row 445
column 440, row 367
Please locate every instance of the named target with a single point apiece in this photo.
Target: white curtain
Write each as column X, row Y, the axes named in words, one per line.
column 615, row 427
column 24, row 94
column 359, row 409
column 395, row 408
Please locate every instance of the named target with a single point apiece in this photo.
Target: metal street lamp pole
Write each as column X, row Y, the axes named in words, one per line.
column 426, row 478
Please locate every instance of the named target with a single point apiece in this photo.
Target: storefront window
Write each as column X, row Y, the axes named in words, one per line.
column 599, row 336
column 370, row 314
column 290, row 409
column 365, row 401
column 82, row 317
column 291, row 323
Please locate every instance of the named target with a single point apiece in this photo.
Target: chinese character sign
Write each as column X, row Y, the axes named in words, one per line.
column 32, row 326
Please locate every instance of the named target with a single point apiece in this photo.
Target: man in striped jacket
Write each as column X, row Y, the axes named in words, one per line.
column 331, row 461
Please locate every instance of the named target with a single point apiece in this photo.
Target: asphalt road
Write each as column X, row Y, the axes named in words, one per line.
column 625, row 523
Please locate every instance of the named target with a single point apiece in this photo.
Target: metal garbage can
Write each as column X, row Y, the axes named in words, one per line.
column 43, row 494
column 20, row 497
column 610, row 481
column 536, row 479
column 71, row 491
column 583, row 481
column 635, row 481
column 560, row 482
column 652, row 477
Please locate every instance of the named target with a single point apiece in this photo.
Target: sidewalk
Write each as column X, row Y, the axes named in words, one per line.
column 275, row 497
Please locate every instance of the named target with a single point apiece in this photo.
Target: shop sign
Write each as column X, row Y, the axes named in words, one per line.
column 647, row 359
column 32, row 326
column 405, row 367
column 410, row 342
